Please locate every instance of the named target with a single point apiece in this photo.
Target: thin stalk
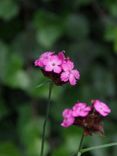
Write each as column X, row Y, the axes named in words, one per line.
column 98, row 147
column 46, row 118
column 80, row 144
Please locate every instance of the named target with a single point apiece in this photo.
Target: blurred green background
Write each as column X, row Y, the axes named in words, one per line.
column 87, row 31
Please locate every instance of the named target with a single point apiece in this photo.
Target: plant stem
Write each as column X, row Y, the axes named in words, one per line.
column 80, row 144
column 98, row 147
column 46, row 118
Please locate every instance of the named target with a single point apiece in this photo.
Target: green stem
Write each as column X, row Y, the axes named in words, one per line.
column 80, row 144
column 98, row 147
column 46, row 118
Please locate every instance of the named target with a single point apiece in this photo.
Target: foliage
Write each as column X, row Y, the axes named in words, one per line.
column 87, row 31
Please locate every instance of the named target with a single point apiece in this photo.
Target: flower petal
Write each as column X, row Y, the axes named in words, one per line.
column 65, row 76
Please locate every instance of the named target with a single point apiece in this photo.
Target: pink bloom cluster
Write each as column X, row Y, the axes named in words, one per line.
column 87, row 117
column 58, row 67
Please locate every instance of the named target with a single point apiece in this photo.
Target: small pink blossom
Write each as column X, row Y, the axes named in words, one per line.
column 101, row 108
column 43, row 59
column 53, row 64
column 81, row 109
column 69, row 74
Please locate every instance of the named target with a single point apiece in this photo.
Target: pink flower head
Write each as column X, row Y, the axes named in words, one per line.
column 68, row 118
column 43, row 59
column 53, row 64
column 58, row 68
column 101, row 107
column 81, row 109
column 69, row 74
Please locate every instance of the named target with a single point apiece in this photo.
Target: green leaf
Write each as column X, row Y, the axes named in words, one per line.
column 19, row 79
column 8, row 9
column 49, row 28
column 47, row 36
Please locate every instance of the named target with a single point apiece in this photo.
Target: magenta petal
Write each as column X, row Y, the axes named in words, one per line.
column 48, row 68
column 76, row 74
column 57, row 69
column 81, row 109
column 65, row 76
column 101, row 108
column 72, row 80
column 67, row 65
column 67, row 113
column 67, row 122
column 61, row 56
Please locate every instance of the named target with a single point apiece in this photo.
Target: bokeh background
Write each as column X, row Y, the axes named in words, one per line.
column 87, row 31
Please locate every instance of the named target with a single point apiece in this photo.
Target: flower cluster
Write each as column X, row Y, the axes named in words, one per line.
column 58, row 67
column 88, row 117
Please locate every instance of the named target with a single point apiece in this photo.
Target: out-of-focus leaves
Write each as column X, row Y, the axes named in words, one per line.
column 111, row 35
column 115, row 147
column 79, row 3
column 77, row 27
column 113, row 107
column 72, row 143
column 3, row 59
column 49, row 28
column 103, row 82
column 96, row 140
column 25, row 43
column 19, row 79
column 48, row 36
column 11, row 68
column 29, row 27
column 8, row 149
column 30, row 130
column 8, row 9
column 61, row 151
column 3, row 110
column 113, row 9
column 14, row 75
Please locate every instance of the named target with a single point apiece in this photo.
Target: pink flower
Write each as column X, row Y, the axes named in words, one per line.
column 101, row 107
column 43, row 59
column 68, row 118
column 69, row 74
column 58, row 68
column 53, row 64
column 81, row 109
